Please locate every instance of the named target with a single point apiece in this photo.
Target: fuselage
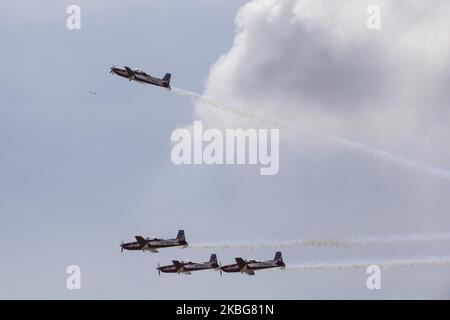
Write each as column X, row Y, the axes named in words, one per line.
column 253, row 265
column 188, row 267
column 152, row 245
column 141, row 77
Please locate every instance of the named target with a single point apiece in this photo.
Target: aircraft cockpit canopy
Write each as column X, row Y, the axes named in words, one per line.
column 139, row 71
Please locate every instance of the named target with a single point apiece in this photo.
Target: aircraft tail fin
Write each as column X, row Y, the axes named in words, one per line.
column 181, row 236
column 213, row 258
column 167, row 78
column 278, row 256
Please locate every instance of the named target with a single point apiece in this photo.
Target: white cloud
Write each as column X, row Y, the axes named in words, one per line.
column 314, row 62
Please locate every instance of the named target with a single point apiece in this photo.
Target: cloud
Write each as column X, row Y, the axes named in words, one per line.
column 315, row 63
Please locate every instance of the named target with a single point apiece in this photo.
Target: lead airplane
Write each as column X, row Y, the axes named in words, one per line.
column 142, row 77
column 250, row 266
column 186, row 267
column 153, row 244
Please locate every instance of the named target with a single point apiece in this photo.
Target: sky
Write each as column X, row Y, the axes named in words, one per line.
column 80, row 173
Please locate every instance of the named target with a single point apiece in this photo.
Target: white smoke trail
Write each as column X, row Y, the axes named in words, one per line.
column 362, row 241
column 384, row 264
column 349, row 144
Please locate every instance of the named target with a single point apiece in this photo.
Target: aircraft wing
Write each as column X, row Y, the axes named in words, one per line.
column 241, row 263
column 129, row 71
column 178, row 265
column 141, row 240
column 243, row 266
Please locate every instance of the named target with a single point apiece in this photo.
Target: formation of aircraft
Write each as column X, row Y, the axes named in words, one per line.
column 187, row 267
column 250, row 266
column 153, row 244
column 142, row 77
column 243, row 266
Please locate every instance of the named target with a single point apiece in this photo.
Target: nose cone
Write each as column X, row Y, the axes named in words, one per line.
column 113, row 70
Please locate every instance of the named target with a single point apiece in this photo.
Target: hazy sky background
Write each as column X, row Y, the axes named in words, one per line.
column 80, row 173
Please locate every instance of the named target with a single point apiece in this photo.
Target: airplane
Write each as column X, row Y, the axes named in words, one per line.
column 142, row 77
column 153, row 244
column 186, row 267
column 250, row 266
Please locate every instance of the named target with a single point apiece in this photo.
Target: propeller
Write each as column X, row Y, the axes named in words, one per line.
column 112, row 70
column 121, row 246
column 220, row 268
column 159, row 271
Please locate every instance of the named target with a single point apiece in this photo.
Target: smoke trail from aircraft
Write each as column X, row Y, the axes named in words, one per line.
column 354, row 146
column 384, row 264
column 362, row 241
